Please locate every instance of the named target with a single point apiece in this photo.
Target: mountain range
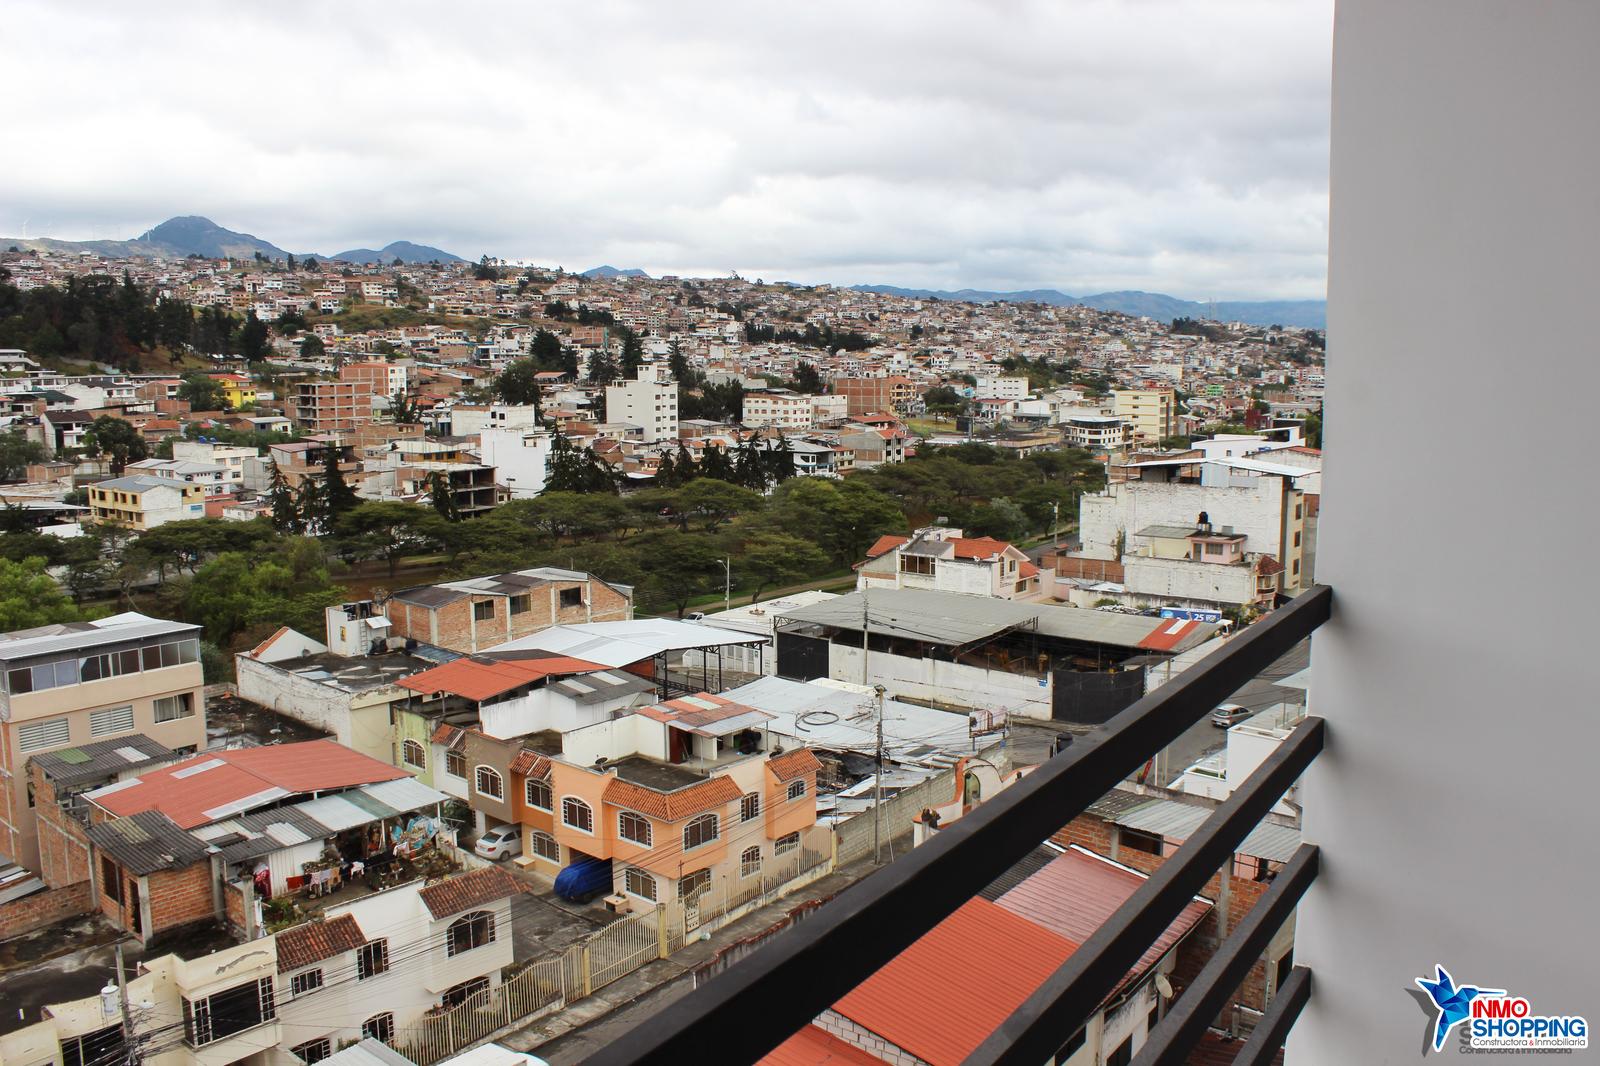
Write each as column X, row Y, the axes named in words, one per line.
column 609, row 271
column 193, row 235
column 1308, row 314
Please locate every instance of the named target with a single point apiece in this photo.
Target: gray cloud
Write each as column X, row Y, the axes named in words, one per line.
column 1157, row 144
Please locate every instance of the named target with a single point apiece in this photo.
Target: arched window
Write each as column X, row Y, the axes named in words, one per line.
column 577, row 814
column 702, row 830
column 787, row 842
column 797, row 788
column 538, row 793
column 544, row 845
column 634, row 827
column 469, row 931
column 414, row 754
column 750, row 807
column 750, row 861
column 639, row 883
column 379, row 1027
column 489, row 783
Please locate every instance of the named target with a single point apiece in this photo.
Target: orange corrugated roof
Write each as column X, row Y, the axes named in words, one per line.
column 942, row 996
column 673, row 806
column 812, row 1046
column 886, row 543
column 480, row 679
column 1167, row 633
column 978, row 547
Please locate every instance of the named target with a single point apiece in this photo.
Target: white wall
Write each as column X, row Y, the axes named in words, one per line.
column 951, row 683
column 1256, row 510
column 1455, row 803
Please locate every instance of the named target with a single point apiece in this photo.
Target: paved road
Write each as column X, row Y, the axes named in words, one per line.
column 1203, row 737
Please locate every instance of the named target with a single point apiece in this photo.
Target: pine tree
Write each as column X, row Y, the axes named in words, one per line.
column 748, row 469
column 780, row 461
column 716, row 464
column 286, row 517
column 337, row 495
column 443, row 500
column 666, row 475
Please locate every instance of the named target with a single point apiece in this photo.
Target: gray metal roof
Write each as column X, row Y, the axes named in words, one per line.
column 102, row 760
column 1173, row 532
column 75, row 636
column 1178, row 821
column 618, row 644
column 146, row 842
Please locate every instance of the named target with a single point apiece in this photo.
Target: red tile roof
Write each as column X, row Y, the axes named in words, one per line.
column 456, row 894
column 816, row 1047
column 942, row 996
column 1168, row 634
column 708, row 795
column 886, row 543
column 793, row 764
column 302, row 945
column 978, row 547
column 1027, row 570
column 1077, row 892
column 213, row 785
column 481, row 679
column 530, row 764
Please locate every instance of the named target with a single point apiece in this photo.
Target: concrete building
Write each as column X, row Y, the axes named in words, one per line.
column 471, row 420
column 71, row 684
column 231, row 458
column 1151, row 414
column 945, row 560
column 780, row 408
column 520, row 458
column 141, row 502
column 1097, row 433
column 479, row 613
column 381, row 378
column 331, row 406
column 649, row 401
column 211, row 478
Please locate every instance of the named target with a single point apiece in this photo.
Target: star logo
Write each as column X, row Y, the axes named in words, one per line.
column 1454, row 1003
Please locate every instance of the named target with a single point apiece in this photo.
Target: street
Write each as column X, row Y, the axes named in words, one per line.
column 1203, row 737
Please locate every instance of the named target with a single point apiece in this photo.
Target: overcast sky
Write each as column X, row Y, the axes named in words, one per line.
column 1179, row 147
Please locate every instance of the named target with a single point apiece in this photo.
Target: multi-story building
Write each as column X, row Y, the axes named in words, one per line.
column 1097, row 433
column 330, row 406
column 237, row 389
column 778, row 407
column 877, row 395
column 70, row 684
column 231, row 458
column 477, row 613
column 520, row 458
column 649, row 401
column 382, row 378
column 210, row 477
column 945, row 560
column 299, row 460
column 142, row 502
column 1151, row 414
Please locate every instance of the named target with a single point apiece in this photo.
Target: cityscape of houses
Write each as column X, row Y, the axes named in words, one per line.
column 453, row 806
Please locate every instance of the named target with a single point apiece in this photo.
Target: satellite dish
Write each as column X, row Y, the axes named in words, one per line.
column 1163, row 986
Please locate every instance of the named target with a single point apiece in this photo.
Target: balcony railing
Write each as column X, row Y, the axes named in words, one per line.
column 755, row 1005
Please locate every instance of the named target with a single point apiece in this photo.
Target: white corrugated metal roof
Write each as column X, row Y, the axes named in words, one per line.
column 335, row 812
column 624, row 643
column 404, row 794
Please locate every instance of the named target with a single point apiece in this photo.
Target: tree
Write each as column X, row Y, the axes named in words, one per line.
column 518, row 383
column 778, row 559
column 580, row 516
column 404, row 408
column 388, row 530
column 750, row 468
column 632, row 352
column 334, row 494
column 286, row 516
column 16, row 452
column 29, row 597
column 714, row 502
column 442, row 499
column 310, row 264
column 548, row 353
column 779, row 461
column 115, row 437
column 483, row 270
column 679, row 365
column 237, row 593
column 203, row 392
column 677, row 567
column 575, row 469
column 252, row 340
column 312, row 347
column 714, row 463
column 842, row 518
column 291, row 264
column 806, row 378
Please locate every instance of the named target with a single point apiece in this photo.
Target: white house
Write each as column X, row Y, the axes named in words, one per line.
column 520, row 458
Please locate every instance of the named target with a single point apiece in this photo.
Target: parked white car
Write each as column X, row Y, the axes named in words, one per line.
column 501, row 842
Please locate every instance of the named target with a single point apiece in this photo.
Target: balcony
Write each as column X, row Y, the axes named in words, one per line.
column 778, row 990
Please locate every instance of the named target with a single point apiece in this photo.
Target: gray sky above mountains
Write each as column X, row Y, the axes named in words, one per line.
column 1083, row 145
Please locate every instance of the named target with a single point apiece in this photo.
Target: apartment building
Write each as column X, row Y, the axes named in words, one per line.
column 330, row 406
column 231, row 458
column 876, row 395
column 71, row 684
column 649, row 401
column 520, row 459
column 780, row 408
column 1097, row 433
column 141, row 502
column 381, row 377
column 1151, row 414
column 210, row 477
column 299, row 460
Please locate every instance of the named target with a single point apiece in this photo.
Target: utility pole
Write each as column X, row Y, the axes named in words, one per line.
column 727, row 584
column 129, row 1050
column 866, row 623
column 877, row 785
column 1055, row 523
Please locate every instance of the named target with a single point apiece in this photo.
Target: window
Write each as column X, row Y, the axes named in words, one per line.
column 379, row 1027
column 483, row 611
column 372, row 958
column 222, row 1014
column 469, row 931
column 312, row 1050
column 489, row 783
column 1138, row 840
column 110, row 721
column 413, row 755
column 1213, row 549
column 693, row 885
column 797, row 789
column 172, row 708
column 521, row 604
column 750, row 807
column 302, row 983
column 1297, row 512
column 916, row 564
column 50, row 733
column 544, row 845
column 1297, row 568
column 750, row 862
column 572, row 597
column 787, row 842
column 576, row 813
column 701, row 830
column 455, row 764
column 1281, row 970
column 1070, row 1048
column 634, row 827
column 1123, row 1055
column 638, row 883
column 99, row 1047
column 456, row 995
column 1297, row 540
column 110, row 880
column 537, row 793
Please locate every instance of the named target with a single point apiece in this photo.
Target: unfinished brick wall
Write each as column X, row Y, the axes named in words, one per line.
column 180, row 897
column 455, row 626
column 63, row 846
column 43, row 908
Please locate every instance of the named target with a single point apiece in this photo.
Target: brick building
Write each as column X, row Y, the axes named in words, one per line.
column 328, row 406
column 866, row 396
column 478, row 613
